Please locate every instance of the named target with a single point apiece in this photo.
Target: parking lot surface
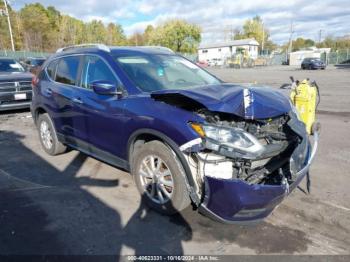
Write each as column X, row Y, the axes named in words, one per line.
column 74, row 204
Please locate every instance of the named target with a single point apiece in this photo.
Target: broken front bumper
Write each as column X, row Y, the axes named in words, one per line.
column 234, row 201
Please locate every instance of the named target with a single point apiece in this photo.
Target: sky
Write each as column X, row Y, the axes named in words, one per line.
column 216, row 18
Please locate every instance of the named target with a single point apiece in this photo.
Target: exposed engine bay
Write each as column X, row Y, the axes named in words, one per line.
column 259, row 141
column 270, row 165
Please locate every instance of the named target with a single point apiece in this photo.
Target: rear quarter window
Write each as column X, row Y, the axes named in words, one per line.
column 51, row 69
column 67, row 70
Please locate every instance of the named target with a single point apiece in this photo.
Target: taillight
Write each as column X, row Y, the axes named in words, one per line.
column 35, row 81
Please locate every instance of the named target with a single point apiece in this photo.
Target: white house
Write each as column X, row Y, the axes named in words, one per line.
column 222, row 51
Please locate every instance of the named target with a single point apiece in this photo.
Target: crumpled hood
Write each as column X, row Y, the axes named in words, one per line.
column 252, row 102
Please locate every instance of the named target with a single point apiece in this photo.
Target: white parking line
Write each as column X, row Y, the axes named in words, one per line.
column 336, row 206
column 33, row 185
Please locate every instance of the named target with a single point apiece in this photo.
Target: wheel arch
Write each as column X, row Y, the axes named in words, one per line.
column 38, row 111
column 146, row 135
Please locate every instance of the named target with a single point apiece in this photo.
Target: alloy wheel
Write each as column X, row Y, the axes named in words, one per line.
column 45, row 134
column 156, row 179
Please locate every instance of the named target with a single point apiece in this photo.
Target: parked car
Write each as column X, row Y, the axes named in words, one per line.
column 202, row 64
column 312, row 63
column 15, row 85
column 33, row 64
column 187, row 137
column 215, row 62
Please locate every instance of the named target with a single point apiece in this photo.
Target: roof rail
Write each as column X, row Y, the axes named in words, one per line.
column 99, row 46
column 157, row 47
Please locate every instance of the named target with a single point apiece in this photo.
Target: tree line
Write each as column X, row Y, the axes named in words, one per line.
column 254, row 28
column 37, row 28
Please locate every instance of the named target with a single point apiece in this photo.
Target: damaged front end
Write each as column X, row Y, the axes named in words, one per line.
column 250, row 166
column 245, row 166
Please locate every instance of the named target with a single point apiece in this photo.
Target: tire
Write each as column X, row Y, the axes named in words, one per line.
column 48, row 136
column 175, row 197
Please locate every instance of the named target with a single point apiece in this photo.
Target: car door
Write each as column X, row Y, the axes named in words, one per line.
column 104, row 113
column 61, row 96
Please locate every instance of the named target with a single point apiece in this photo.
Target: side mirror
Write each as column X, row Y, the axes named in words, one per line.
column 102, row 87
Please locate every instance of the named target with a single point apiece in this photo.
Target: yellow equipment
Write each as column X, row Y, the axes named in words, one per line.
column 241, row 59
column 304, row 96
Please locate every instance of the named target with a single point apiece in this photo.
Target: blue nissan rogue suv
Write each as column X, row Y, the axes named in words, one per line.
column 232, row 151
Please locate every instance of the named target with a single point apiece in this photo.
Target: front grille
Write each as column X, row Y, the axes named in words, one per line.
column 15, row 86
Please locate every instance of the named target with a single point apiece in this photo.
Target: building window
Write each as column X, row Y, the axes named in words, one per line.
column 219, row 50
column 204, row 51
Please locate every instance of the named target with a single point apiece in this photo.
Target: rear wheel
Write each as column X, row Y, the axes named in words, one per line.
column 48, row 137
column 160, row 178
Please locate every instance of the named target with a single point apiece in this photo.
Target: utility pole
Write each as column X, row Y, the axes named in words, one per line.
column 263, row 38
column 9, row 23
column 290, row 40
column 291, row 37
column 320, row 36
column 228, row 33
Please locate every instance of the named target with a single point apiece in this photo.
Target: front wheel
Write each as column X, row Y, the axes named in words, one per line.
column 160, row 178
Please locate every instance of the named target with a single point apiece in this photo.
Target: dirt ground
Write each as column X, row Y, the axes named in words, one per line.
column 74, row 204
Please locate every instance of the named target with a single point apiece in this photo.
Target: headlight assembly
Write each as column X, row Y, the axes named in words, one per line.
column 228, row 138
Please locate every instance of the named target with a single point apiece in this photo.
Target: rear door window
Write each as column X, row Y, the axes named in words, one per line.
column 67, row 70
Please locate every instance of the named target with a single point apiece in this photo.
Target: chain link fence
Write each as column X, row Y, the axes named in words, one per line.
column 332, row 58
column 22, row 54
column 338, row 56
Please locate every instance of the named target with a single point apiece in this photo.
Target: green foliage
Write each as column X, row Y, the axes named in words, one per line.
column 36, row 26
column 115, row 35
column 95, row 32
column 137, row 39
column 46, row 29
column 335, row 43
column 177, row 35
column 301, row 43
column 4, row 34
column 254, row 28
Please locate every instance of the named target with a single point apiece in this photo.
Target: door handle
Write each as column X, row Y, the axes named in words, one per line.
column 48, row 91
column 77, row 100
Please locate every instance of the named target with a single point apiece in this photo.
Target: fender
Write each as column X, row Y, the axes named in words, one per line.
column 191, row 185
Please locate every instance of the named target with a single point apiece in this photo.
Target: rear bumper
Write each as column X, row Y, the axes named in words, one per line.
column 318, row 67
column 236, row 202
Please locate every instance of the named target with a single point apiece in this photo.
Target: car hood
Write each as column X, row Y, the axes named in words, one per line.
column 253, row 102
column 15, row 76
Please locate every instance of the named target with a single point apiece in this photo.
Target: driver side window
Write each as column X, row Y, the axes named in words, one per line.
column 95, row 69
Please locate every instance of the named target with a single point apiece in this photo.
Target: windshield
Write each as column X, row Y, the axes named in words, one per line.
column 10, row 65
column 158, row 72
